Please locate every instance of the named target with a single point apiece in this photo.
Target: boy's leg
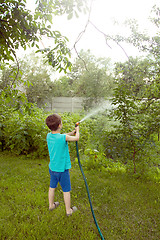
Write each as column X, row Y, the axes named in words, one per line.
column 53, row 185
column 66, row 187
column 51, row 198
column 67, row 201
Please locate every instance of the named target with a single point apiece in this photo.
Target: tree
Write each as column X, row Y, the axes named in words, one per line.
column 19, row 27
column 151, row 46
column 37, row 74
column 90, row 78
column 134, row 132
column 63, row 87
column 136, row 98
column 34, row 79
column 135, row 73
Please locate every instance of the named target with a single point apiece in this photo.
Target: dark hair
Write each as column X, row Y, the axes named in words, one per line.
column 53, row 121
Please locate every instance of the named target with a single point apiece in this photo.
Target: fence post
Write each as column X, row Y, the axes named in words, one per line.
column 72, row 104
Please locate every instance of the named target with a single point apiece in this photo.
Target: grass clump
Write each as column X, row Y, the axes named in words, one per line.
column 125, row 207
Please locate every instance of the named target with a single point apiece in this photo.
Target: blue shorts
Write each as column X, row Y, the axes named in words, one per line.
column 62, row 177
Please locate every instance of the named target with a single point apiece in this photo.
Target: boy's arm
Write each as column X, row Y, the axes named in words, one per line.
column 71, row 133
column 71, row 138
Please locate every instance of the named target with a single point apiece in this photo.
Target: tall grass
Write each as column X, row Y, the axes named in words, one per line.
column 125, row 207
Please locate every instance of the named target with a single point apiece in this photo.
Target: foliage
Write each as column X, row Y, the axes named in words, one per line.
column 70, row 8
column 33, row 80
column 25, row 133
column 136, row 98
column 144, row 42
column 11, row 101
column 37, row 73
column 136, row 125
column 90, row 78
column 63, row 87
column 20, row 27
column 97, row 160
column 136, row 74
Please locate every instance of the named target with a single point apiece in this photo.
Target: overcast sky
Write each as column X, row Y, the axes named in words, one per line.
column 104, row 13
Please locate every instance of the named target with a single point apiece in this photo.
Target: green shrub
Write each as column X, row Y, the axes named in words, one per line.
column 153, row 174
column 26, row 133
column 94, row 159
column 100, row 147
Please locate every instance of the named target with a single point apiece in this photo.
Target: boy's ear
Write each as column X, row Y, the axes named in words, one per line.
column 60, row 125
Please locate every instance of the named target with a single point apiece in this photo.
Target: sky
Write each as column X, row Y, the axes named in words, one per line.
column 103, row 15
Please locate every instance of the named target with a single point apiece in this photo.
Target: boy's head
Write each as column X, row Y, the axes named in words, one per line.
column 53, row 121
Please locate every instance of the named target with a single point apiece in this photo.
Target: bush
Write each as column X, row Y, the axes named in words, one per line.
column 101, row 148
column 26, row 133
column 94, row 159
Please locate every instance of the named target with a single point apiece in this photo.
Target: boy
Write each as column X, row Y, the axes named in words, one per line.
column 59, row 161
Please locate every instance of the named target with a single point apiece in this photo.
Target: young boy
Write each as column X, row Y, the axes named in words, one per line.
column 59, row 161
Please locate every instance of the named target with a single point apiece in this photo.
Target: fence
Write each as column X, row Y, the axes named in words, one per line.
column 69, row 104
column 64, row 104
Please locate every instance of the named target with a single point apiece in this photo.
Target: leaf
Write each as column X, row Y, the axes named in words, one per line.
column 77, row 16
column 49, row 18
column 70, row 16
column 11, row 58
column 37, row 46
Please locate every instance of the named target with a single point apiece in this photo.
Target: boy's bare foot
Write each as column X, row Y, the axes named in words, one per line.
column 72, row 210
column 55, row 205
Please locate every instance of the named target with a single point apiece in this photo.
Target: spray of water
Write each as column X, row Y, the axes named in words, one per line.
column 105, row 106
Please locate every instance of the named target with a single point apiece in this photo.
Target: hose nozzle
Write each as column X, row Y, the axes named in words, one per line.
column 77, row 123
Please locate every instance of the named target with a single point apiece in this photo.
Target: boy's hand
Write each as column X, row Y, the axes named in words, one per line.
column 77, row 128
column 74, row 138
column 74, row 132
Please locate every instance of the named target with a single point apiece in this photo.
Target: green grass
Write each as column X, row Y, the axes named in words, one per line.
column 125, row 207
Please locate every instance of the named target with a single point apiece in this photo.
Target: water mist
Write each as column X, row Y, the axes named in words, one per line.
column 106, row 105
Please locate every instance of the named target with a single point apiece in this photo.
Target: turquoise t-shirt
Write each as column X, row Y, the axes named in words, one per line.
column 58, row 152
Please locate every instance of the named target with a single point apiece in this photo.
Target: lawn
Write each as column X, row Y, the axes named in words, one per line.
column 125, row 207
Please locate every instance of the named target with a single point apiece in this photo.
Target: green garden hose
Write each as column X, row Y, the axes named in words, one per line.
column 88, row 192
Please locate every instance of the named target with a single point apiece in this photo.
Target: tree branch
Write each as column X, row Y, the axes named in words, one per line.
column 107, row 36
column 81, row 34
